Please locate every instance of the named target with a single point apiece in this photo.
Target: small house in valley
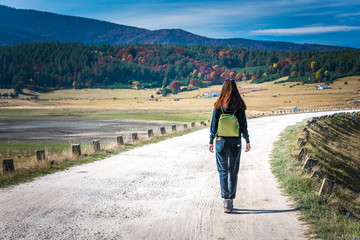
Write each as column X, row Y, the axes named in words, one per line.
column 215, row 93
column 321, row 87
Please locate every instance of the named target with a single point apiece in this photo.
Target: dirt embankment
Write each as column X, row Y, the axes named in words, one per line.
column 333, row 144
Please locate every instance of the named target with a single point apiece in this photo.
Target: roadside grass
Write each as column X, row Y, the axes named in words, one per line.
column 63, row 159
column 12, row 147
column 23, row 153
column 326, row 222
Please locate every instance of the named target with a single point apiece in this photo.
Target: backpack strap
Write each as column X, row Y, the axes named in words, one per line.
column 222, row 111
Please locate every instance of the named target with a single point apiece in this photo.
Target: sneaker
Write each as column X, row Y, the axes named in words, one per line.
column 227, row 205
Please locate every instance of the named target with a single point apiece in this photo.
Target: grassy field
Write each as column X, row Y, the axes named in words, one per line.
column 11, row 147
column 328, row 215
column 185, row 106
column 121, row 94
column 181, row 115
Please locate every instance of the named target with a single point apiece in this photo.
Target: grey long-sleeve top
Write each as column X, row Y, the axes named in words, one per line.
column 240, row 115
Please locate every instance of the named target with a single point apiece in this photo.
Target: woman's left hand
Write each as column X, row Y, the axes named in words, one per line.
column 248, row 147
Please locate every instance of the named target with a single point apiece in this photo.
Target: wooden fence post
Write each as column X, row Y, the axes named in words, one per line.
column 327, row 187
column 301, row 142
column 162, row 130
column 135, row 137
column 302, row 153
column 310, row 163
column 76, row 150
column 96, row 144
column 8, row 165
column 120, row 140
column 150, row 133
column 40, row 155
column 317, row 174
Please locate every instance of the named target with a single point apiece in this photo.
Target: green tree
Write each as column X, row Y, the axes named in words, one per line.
column 19, row 86
column 165, row 91
column 285, row 71
column 164, row 83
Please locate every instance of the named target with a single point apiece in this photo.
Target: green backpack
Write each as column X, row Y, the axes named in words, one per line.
column 228, row 125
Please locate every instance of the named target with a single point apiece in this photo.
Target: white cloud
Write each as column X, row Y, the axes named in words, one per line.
column 349, row 14
column 200, row 14
column 304, row 30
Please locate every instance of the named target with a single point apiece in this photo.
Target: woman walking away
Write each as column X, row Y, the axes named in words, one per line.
column 227, row 125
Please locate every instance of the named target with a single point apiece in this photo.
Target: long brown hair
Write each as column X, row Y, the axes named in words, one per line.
column 230, row 97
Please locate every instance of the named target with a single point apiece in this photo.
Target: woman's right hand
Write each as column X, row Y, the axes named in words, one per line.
column 211, row 148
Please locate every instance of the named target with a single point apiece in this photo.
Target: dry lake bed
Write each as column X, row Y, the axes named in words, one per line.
column 75, row 129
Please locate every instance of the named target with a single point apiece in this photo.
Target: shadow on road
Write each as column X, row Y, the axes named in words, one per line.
column 253, row 211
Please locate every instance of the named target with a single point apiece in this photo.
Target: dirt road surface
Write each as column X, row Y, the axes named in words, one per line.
column 167, row 190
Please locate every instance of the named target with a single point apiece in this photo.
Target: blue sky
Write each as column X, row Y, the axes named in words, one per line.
column 332, row 22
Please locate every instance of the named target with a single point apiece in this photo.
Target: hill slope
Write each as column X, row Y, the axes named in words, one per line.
column 22, row 26
column 59, row 65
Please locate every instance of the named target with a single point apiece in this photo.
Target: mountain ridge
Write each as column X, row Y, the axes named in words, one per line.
column 22, row 26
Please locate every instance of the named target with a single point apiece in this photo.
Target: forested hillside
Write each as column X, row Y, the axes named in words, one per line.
column 75, row 65
column 24, row 26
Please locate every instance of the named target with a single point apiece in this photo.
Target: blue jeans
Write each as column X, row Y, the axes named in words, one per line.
column 228, row 152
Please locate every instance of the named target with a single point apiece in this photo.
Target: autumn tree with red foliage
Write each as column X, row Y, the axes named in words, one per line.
column 340, row 70
column 194, row 83
column 175, row 85
column 232, row 75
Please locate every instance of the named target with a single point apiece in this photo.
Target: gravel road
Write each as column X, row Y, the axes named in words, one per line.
column 167, row 190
